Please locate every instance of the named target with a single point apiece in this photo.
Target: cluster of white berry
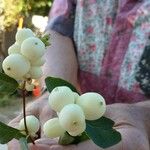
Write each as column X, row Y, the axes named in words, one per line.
column 25, row 57
column 72, row 111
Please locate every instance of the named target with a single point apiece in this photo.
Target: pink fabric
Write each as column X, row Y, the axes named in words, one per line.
column 120, row 32
column 61, row 8
column 92, row 83
column 107, row 82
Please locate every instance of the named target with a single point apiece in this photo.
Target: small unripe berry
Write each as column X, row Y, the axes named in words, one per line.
column 33, row 124
column 36, row 72
column 72, row 119
column 53, row 129
column 59, row 97
column 33, row 48
column 23, row 34
column 93, row 105
column 16, row 66
column 15, row 48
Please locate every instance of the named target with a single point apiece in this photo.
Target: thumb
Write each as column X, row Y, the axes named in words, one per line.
column 47, row 141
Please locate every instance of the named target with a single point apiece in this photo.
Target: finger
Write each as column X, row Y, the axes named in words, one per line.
column 32, row 108
column 60, row 147
column 47, row 141
column 39, row 147
column 14, row 145
column 88, row 145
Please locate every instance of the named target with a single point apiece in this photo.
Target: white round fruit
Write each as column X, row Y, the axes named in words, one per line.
column 39, row 62
column 76, row 96
column 35, row 72
column 23, row 34
column 59, row 97
column 31, row 134
column 93, row 105
column 16, row 66
column 32, row 122
column 29, row 87
column 79, row 130
column 72, row 119
column 33, row 48
column 53, row 129
column 15, row 48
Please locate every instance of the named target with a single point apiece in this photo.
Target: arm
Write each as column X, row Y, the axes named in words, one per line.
column 61, row 58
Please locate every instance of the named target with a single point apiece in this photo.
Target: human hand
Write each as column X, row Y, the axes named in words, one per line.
column 128, row 121
column 38, row 108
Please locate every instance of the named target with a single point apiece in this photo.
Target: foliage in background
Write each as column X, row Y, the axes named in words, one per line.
column 38, row 7
column 11, row 10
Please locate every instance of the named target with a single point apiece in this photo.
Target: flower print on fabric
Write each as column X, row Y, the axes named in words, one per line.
column 114, row 46
column 135, row 49
column 93, row 27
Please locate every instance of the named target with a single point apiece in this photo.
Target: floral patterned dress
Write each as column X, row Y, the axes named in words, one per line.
column 110, row 38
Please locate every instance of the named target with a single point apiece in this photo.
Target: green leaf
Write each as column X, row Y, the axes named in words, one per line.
column 23, row 144
column 102, row 133
column 8, row 85
column 7, row 133
column 45, row 39
column 67, row 139
column 103, row 123
column 52, row 82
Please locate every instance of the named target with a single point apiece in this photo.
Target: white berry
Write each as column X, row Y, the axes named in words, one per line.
column 33, row 48
column 76, row 96
column 16, row 66
column 35, row 72
column 23, row 34
column 15, row 48
column 79, row 130
column 59, row 97
column 52, row 128
column 39, row 62
column 72, row 119
column 93, row 105
column 33, row 124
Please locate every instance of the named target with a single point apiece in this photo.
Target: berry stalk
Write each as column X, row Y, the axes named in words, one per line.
column 24, row 112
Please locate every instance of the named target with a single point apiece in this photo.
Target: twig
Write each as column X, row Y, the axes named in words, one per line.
column 24, row 111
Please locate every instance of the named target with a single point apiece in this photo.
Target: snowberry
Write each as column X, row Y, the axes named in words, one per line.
column 23, row 34
column 76, row 96
column 33, row 48
column 39, row 62
column 72, row 119
column 52, row 128
column 93, row 105
column 35, row 72
column 78, row 131
column 59, row 97
column 15, row 48
column 16, row 66
column 33, row 124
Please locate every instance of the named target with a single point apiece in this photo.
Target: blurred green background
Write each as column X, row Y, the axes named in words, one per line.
column 14, row 13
